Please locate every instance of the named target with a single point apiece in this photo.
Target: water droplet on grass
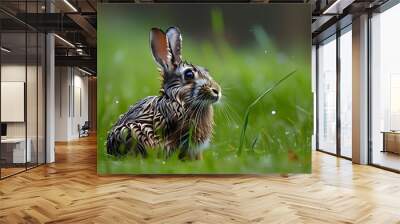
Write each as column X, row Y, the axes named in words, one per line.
column 273, row 112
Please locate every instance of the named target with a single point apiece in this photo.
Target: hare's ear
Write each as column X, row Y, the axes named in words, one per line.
column 175, row 44
column 159, row 47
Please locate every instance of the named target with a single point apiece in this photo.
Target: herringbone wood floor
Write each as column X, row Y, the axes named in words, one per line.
column 70, row 191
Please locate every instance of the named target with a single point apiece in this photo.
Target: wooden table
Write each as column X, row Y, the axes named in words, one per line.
column 391, row 141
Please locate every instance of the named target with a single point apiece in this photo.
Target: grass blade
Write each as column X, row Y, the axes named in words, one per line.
column 253, row 145
column 254, row 103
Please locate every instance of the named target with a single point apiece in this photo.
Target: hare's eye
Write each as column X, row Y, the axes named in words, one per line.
column 188, row 74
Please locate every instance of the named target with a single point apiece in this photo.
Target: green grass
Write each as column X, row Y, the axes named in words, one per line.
column 247, row 114
column 281, row 119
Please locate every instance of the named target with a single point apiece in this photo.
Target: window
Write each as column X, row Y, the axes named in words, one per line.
column 346, row 92
column 327, row 95
column 385, row 89
column 22, row 77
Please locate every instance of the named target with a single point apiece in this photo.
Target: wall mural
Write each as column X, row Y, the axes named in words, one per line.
column 204, row 89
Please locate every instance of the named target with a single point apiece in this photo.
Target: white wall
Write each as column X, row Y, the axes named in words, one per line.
column 61, row 103
column 80, row 111
column 17, row 73
column 71, row 102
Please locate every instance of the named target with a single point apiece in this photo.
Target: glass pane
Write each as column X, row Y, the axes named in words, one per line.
column 386, row 89
column 346, row 94
column 327, row 96
column 23, row 90
column 13, row 89
column 314, row 87
column 32, row 96
column 41, row 99
column 31, row 88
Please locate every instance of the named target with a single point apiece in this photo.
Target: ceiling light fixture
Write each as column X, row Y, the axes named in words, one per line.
column 65, row 41
column 84, row 71
column 70, row 5
column 80, row 51
column 5, row 50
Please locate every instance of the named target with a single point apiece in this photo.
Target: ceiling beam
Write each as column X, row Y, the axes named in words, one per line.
column 337, row 7
column 82, row 61
column 86, row 27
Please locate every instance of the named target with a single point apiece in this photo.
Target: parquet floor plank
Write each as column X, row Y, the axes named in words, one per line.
column 70, row 191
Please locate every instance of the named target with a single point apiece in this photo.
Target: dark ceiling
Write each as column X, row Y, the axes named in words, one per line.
column 75, row 21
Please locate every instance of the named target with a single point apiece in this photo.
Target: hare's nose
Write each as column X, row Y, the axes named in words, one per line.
column 215, row 91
